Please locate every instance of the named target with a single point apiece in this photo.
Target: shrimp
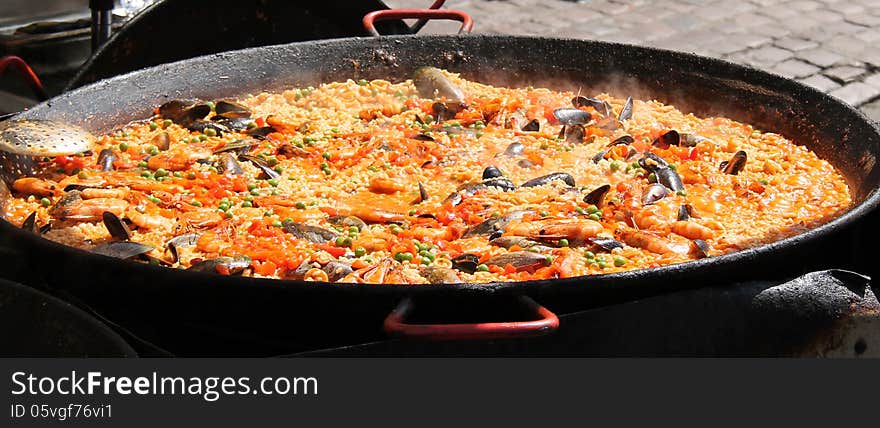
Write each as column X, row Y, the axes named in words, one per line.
column 648, row 219
column 692, row 230
column 648, row 241
column 386, row 186
column 37, row 186
column 88, row 209
column 387, row 271
column 575, row 230
column 201, row 218
column 178, row 158
column 93, row 193
column 146, row 221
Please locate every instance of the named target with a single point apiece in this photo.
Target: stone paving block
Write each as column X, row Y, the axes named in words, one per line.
column 821, row 57
column 795, row 44
column 773, row 31
column 768, row 55
column 848, row 8
column 804, row 6
column 794, row 69
column 820, row 82
column 856, row 93
column 870, row 36
column 823, row 16
column 799, row 24
column 873, row 80
column 872, row 110
column 863, row 19
column 847, row 45
column 778, row 12
column 844, row 74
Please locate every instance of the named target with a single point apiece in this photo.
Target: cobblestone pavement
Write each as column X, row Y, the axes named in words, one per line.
column 833, row 45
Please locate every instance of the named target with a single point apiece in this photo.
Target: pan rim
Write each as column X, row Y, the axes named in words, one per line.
column 756, row 77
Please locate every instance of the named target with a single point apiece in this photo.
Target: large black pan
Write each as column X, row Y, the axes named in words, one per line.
column 335, row 312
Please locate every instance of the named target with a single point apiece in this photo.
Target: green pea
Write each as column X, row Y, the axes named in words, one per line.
column 211, row 105
column 589, row 255
column 681, row 192
column 153, row 150
column 563, row 242
column 246, row 204
column 482, row 268
column 166, row 123
column 326, row 155
column 153, row 126
column 340, row 241
column 142, row 164
column 595, row 217
column 652, row 178
column 614, row 166
column 273, row 182
column 191, row 176
column 300, row 206
column 177, row 174
column 251, row 186
column 403, row 257
column 123, row 147
column 161, row 172
column 147, row 174
column 619, row 261
column 544, row 214
column 195, row 203
column 276, row 223
column 362, row 82
column 255, row 192
column 579, row 210
column 204, row 137
column 592, row 209
column 360, row 251
column 45, row 202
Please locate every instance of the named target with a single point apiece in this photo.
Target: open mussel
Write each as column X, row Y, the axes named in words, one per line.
column 735, row 164
column 605, row 244
column 495, row 224
column 223, row 265
column 439, row 275
column 491, row 172
column 261, row 132
column 431, row 83
column 601, row 107
column 239, row 147
column 185, row 240
column 184, row 112
column 699, row 249
column 532, row 126
column 654, row 193
column 574, row 134
column 691, row 140
column 669, row 138
column 625, row 139
column 267, row 170
column 520, row 260
column 226, row 164
column 685, row 211
column 106, row 157
column 231, row 110
column 597, row 195
column 514, row 149
column 122, row 249
column 117, row 228
column 520, row 241
column 466, row 263
column 546, row 179
column 651, row 162
column 200, row 125
column 669, row 178
column 307, row 232
column 336, row 270
column 627, row 111
column 30, row 224
column 571, row 116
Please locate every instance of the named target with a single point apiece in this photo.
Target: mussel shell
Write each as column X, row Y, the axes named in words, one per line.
column 184, row 112
column 261, row 164
column 30, row 223
column 237, row 124
column 336, row 270
column 307, row 232
column 627, row 111
column 466, row 263
column 669, row 138
column 607, row 244
column 261, row 132
column 231, row 110
column 226, row 164
column 117, row 228
column 423, row 193
column 574, row 134
column 105, row 159
column 699, row 249
column 431, row 83
column 495, row 224
column 601, row 107
column 122, row 249
column 625, row 139
column 185, row 240
column 545, row 179
column 347, row 221
column 572, row 116
column 223, row 265
column 439, row 275
column 521, row 260
column 509, row 241
column 596, row 196
column 654, row 193
column 501, row 183
column 200, row 125
column 736, row 163
column 599, row 156
column 491, row 172
column 525, row 163
column 651, row 162
column 691, row 140
column 514, row 149
column 59, row 209
column 423, row 137
column 446, row 111
column 240, row 147
column 685, row 211
column 669, row 178
column 532, row 126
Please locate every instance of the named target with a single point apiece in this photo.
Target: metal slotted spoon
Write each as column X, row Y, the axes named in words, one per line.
column 21, row 140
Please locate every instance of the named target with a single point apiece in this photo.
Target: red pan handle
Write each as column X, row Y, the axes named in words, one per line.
column 546, row 322
column 467, row 24
column 25, row 70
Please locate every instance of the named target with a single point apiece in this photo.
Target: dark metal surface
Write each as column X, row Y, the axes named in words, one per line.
column 36, row 324
column 706, row 86
column 172, row 30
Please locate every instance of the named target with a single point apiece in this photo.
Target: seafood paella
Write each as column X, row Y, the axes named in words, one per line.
column 435, row 179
